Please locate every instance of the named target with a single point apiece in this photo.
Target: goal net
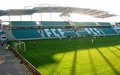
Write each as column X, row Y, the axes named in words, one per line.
column 19, row 45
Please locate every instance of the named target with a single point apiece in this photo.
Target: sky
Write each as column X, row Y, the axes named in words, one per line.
column 111, row 6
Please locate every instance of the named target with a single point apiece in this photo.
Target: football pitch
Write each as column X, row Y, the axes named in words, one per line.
column 76, row 57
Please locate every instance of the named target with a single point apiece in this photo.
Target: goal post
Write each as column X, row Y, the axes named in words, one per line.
column 20, row 45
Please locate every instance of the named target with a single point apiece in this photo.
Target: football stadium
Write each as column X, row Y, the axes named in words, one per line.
column 63, row 47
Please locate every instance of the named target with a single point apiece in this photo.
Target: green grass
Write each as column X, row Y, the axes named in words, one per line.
column 78, row 57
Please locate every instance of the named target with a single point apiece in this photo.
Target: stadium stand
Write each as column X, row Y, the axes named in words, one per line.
column 84, row 23
column 55, row 23
column 41, row 33
column 108, row 31
column 104, row 23
column 26, row 33
column 97, row 30
column 23, row 23
column 69, row 32
column 82, row 31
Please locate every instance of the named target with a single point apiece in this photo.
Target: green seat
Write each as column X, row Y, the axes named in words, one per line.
column 54, row 23
column 26, row 33
column 84, row 23
column 104, row 23
column 23, row 23
column 108, row 31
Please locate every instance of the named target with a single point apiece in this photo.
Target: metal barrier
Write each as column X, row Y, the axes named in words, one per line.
column 29, row 66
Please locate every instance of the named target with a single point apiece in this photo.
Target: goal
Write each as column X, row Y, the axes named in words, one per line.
column 19, row 45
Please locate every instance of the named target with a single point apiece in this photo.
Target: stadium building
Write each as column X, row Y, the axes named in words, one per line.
column 54, row 29
column 17, row 30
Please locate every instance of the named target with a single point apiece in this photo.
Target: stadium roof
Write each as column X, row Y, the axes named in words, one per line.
column 92, row 12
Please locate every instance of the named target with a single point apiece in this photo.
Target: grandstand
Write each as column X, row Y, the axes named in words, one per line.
column 57, row 29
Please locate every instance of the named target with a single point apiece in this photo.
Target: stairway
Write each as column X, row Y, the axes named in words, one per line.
column 9, row 34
